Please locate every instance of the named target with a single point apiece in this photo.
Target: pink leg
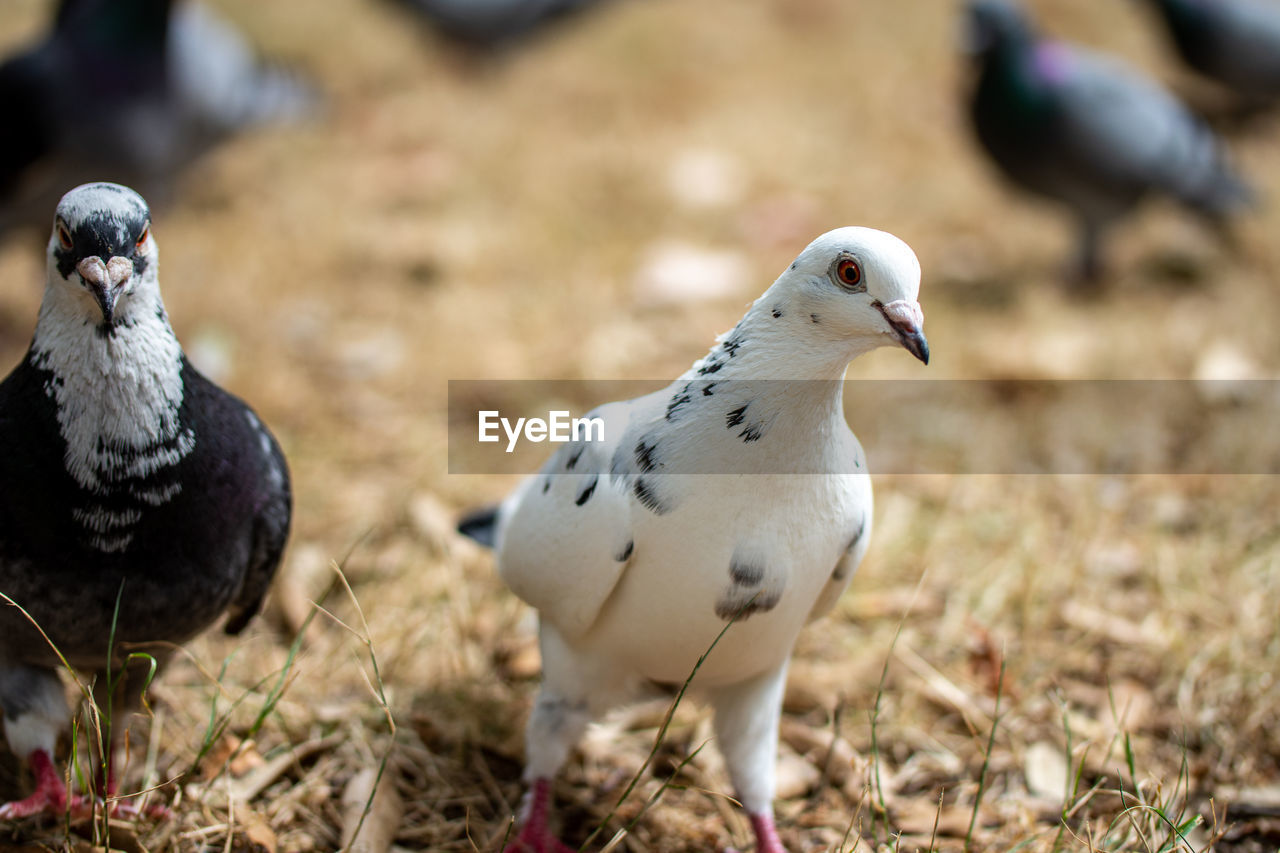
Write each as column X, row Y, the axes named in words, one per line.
column 50, row 797
column 767, row 840
column 535, row 836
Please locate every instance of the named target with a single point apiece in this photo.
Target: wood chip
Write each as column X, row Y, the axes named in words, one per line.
column 1250, row 802
column 1046, row 771
column 519, row 659
column 945, row 691
column 920, row 817
column 432, row 521
column 371, row 812
column 306, row 577
column 257, row 832
column 247, row 788
column 1116, row 628
column 836, row 757
column 795, row 776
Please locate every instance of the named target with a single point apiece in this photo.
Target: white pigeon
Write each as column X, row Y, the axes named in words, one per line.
column 737, row 494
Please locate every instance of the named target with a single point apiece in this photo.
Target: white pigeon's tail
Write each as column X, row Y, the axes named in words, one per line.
column 481, row 525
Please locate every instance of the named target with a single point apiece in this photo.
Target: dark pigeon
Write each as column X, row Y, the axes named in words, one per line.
column 133, row 90
column 134, row 492
column 1234, row 42
column 489, row 24
column 1087, row 131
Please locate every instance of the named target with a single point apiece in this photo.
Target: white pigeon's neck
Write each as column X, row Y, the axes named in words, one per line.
column 771, row 382
column 776, row 341
column 117, row 392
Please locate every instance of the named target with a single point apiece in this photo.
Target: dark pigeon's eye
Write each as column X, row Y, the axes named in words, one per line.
column 64, row 236
column 848, row 271
column 142, row 238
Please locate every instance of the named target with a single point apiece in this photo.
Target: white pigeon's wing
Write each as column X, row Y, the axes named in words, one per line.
column 858, row 514
column 565, row 536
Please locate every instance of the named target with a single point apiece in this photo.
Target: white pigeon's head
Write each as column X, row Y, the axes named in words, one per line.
column 101, row 254
column 858, row 285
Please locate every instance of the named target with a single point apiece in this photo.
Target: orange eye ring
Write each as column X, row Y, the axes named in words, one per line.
column 142, row 238
column 848, row 271
column 64, row 236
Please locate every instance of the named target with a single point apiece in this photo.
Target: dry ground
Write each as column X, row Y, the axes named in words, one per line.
column 452, row 219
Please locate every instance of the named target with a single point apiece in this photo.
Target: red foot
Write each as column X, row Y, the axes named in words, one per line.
column 50, row 797
column 52, row 800
column 530, row 841
column 535, row 836
column 767, row 840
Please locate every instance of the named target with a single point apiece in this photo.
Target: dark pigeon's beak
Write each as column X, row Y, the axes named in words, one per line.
column 106, row 281
column 907, row 320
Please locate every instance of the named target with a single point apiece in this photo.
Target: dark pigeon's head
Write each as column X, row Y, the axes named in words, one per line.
column 101, row 248
column 992, row 24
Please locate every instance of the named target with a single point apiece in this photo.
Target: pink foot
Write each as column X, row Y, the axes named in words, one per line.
column 767, row 840
column 50, row 797
column 535, row 836
column 52, row 800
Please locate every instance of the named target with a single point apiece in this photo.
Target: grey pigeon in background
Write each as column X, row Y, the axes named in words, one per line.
column 494, row 23
column 138, row 500
column 1087, row 131
column 1234, row 42
column 131, row 90
column 736, row 500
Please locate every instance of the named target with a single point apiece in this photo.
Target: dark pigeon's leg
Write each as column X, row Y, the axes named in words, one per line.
column 1088, row 270
column 35, row 712
column 130, row 688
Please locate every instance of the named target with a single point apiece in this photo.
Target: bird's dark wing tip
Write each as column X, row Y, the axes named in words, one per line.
column 480, row 525
column 238, row 620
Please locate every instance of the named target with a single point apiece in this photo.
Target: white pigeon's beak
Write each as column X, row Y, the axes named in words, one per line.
column 907, row 320
column 106, row 281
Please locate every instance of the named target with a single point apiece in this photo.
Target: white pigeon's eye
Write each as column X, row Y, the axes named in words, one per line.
column 848, row 272
column 142, row 238
column 64, row 236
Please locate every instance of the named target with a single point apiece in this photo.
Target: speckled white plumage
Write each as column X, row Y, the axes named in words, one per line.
column 738, row 493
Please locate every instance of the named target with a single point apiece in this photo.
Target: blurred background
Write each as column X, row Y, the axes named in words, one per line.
column 598, row 201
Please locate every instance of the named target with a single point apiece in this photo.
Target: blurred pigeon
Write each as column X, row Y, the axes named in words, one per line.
column 494, row 23
column 138, row 501
column 1235, row 42
column 1088, row 131
column 737, row 497
column 131, row 89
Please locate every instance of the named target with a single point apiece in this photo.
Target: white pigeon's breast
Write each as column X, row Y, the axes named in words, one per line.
column 757, row 551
